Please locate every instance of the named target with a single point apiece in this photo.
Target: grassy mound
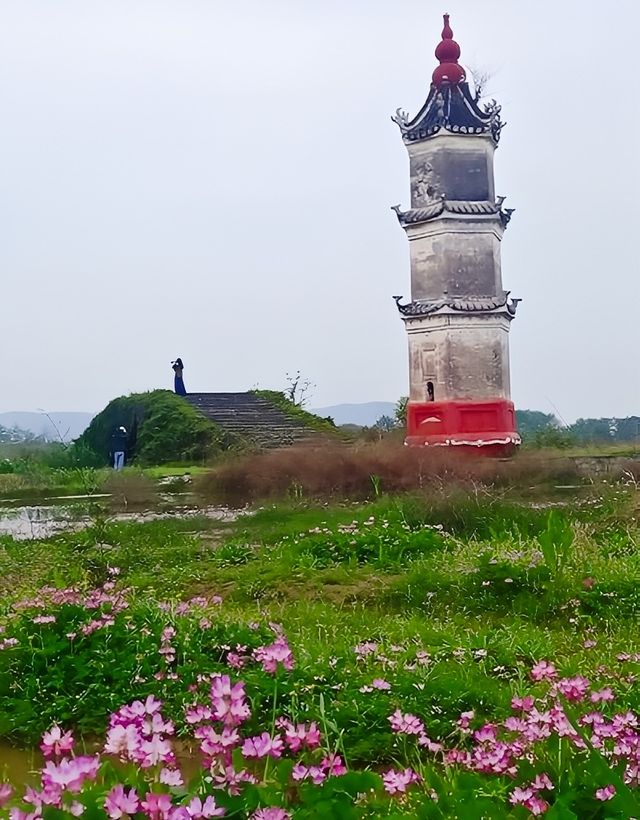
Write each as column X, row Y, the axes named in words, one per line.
column 162, row 428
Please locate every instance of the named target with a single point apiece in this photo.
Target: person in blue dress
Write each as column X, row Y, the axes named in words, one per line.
column 178, row 382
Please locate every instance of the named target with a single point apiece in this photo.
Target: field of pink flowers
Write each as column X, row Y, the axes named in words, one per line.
column 429, row 669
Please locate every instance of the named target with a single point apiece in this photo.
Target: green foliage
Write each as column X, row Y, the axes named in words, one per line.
column 532, row 422
column 401, row 410
column 162, row 428
column 555, row 542
column 89, row 659
column 385, row 424
column 609, row 430
column 544, row 430
column 554, row 437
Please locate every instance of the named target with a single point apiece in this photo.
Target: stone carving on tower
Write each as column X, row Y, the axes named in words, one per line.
column 458, row 318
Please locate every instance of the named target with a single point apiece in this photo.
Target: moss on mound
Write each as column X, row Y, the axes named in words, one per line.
column 162, row 428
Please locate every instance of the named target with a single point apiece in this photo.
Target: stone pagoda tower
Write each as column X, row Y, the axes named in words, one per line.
column 459, row 315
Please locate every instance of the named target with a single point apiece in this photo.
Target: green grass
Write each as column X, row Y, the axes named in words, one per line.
column 463, row 579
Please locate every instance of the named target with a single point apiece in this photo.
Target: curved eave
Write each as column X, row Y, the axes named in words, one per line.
column 444, row 207
column 428, row 122
column 418, row 310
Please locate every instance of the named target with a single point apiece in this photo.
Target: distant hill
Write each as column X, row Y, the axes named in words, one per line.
column 365, row 414
column 65, row 425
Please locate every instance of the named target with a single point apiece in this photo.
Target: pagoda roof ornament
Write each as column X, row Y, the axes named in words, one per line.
column 450, row 104
column 448, row 52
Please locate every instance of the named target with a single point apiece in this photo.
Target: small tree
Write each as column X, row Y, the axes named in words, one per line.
column 386, row 423
column 401, row 411
column 299, row 389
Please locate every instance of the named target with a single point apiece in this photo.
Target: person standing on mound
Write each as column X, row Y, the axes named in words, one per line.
column 178, row 383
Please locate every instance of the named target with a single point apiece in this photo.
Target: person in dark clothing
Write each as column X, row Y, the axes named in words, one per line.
column 178, row 383
column 119, row 447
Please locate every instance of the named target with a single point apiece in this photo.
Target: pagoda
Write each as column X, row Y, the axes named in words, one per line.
column 459, row 315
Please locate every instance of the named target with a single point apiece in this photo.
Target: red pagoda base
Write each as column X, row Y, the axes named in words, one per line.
column 482, row 424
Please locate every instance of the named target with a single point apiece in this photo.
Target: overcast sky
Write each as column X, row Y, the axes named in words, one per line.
column 213, row 180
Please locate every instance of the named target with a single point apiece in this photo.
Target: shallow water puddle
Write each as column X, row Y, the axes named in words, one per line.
column 38, row 521
column 19, row 766
column 22, row 767
column 43, row 521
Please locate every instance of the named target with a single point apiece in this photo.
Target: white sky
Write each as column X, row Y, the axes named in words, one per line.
column 212, row 180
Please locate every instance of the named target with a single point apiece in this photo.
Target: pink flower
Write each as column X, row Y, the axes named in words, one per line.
column 525, row 704
column 214, row 743
column 228, row 701
column 300, row 735
column 56, row 743
column 515, row 724
column 604, row 695
column 227, row 777
column 5, row 793
column 486, row 733
column 119, row 803
column 270, row 814
column 381, row 684
column 155, row 750
column 542, row 781
column 70, row 774
column 236, row 660
column 543, row 670
column 156, row 806
column 196, row 808
column 465, row 719
column 396, row 782
column 536, row 805
column 574, row 689
column 171, row 777
column 520, row 796
column 50, row 796
column 123, row 741
column 406, row 724
column 316, row 774
column 263, row 745
column 276, row 653
column 365, row 648
column 197, row 714
column 426, row 742
column 152, row 705
column 606, row 793
column 333, row 765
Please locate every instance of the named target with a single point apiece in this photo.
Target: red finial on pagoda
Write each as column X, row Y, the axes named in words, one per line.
column 448, row 51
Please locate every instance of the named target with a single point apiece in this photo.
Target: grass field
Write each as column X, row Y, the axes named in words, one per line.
column 438, row 604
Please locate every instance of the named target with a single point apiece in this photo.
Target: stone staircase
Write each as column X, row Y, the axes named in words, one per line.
column 252, row 418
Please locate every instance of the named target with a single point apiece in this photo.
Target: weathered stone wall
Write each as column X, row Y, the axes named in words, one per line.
column 465, row 357
column 460, row 168
column 456, row 257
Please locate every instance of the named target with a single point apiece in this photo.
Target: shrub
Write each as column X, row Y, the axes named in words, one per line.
column 162, row 428
column 366, row 470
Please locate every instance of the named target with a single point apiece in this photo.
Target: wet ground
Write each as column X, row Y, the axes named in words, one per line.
column 19, row 766
column 52, row 515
